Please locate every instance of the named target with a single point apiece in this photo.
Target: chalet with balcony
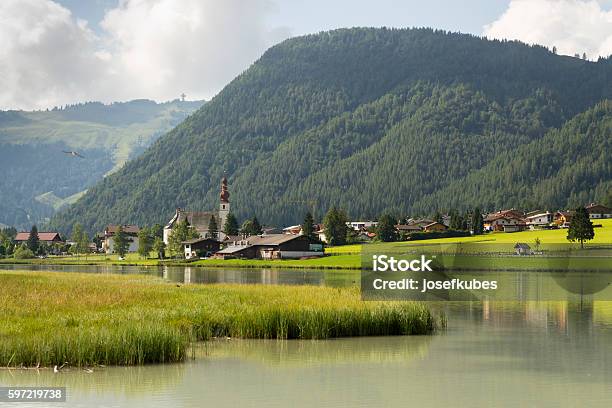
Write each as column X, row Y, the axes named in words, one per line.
column 275, row 246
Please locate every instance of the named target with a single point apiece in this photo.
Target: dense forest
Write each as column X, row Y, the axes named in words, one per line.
column 38, row 177
column 406, row 121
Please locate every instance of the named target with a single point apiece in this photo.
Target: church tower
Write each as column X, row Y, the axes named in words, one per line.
column 224, row 205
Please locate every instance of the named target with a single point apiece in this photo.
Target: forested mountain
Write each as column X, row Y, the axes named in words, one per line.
column 378, row 120
column 39, row 177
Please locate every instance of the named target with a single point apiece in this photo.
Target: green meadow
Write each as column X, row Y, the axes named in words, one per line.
column 349, row 256
column 603, row 235
column 85, row 319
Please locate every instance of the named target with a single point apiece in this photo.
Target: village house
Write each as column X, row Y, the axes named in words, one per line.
column 413, row 225
column 43, row 238
column 538, row 219
column 506, row 220
column 200, row 247
column 200, row 220
column 48, row 238
column 275, row 246
column 598, row 211
column 361, row 225
column 320, row 233
column 131, row 235
column 293, row 229
column 434, row 227
column 272, row 230
column 563, row 218
column 365, row 236
column 408, row 228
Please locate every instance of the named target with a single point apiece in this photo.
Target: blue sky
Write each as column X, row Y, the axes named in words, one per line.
column 56, row 52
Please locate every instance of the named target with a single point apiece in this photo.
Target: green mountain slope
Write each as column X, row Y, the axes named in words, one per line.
column 372, row 120
column 39, row 178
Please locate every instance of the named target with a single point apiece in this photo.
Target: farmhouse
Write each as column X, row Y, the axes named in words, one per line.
column 434, row 226
column 43, row 237
column 131, row 234
column 563, row 218
column 539, row 219
column 415, row 225
column 275, row 246
column 506, row 220
column 200, row 220
column 408, row 228
column 200, row 247
column 598, row 211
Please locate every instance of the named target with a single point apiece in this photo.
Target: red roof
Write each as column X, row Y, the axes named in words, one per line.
column 42, row 236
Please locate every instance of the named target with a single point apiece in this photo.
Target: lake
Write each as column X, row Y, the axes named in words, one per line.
column 535, row 354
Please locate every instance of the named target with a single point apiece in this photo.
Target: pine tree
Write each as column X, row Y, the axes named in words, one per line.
column 213, row 230
column 82, row 245
column 246, row 228
column 581, row 227
column 231, row 225
column 257, row 230
column 477, row 222
column 386, row 229
column 456, row 220
column 159, row 247
column 308, row 228
column 145, row 242
column 157, row 231
column 77, row 237
column 121, row 242
column 335, row 226
column 33, row 242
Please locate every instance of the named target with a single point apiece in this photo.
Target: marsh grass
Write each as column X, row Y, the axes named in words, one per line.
column 85, row 320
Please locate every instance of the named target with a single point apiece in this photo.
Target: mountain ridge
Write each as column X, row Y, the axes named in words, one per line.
column 372, row 120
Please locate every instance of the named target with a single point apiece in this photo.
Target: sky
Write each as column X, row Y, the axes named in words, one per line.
column 57, row 52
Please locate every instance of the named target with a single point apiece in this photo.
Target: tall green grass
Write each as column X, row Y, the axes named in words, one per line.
column 84, row 320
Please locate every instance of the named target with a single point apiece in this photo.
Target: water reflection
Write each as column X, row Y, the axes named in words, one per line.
column 295, row 353
column 187, row 274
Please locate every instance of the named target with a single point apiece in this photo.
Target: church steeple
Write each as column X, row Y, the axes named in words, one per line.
column 224, row 193
column 224, row 205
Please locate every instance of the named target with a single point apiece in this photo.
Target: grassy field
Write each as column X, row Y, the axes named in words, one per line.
column 603, row 235
column 86, row 320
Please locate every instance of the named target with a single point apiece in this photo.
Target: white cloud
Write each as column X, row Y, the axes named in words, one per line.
column 147, row 48
column 573, row 26
column 43, row 54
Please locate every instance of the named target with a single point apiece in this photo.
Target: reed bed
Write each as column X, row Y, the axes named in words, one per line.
column 85, row 320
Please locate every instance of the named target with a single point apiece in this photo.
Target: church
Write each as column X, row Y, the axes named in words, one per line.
column 200, row 220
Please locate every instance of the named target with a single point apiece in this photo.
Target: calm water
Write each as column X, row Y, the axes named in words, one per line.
column 185, row 274
column 532, row 354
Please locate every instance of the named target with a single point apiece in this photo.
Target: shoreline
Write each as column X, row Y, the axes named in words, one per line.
column 353, row 263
